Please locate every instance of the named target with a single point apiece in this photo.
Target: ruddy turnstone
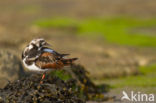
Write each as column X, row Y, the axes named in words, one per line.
column 37, row 56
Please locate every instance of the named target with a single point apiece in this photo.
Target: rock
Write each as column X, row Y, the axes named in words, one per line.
column 69, row 85
column 85, row 87
column 29, row 89
column 10, row 68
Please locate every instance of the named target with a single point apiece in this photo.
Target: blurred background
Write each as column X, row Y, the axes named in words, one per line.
column 115, row 40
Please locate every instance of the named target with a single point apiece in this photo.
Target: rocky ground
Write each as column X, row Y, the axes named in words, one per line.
column 70, row 85
column 11, row 68
column 29, row 90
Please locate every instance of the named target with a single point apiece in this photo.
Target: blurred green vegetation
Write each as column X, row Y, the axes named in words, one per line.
column 62, row 74
column 118, row 30
column 146, row 79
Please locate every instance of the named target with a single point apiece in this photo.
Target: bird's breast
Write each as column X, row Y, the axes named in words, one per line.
column 33, row 67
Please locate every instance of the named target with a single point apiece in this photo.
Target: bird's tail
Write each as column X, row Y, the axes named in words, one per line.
column 70, row 61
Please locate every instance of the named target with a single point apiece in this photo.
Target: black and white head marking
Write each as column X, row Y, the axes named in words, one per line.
column 34, row 47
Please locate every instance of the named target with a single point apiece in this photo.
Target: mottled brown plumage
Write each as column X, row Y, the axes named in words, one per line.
column 51, row 61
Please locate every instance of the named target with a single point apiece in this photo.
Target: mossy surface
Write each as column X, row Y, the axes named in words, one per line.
column 117, row 30
column 146, row 78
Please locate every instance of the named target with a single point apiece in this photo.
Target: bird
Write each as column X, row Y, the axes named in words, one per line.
column 39, row 57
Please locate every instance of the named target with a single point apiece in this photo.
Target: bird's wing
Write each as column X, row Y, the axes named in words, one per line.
column 46, row 49
column 49, row 60
column 33, row 54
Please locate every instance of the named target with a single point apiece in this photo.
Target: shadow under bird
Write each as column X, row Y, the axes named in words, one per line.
column 39, row 57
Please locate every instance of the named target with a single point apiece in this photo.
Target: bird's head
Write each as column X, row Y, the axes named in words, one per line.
column 34, row 46
column 38, row 43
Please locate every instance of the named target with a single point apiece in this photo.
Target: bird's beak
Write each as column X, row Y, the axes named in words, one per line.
column 47, row 44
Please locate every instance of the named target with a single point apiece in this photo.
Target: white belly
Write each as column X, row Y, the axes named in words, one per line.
column 33, row 67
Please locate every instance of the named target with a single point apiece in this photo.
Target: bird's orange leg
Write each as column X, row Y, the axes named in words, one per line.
column 43, row 76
